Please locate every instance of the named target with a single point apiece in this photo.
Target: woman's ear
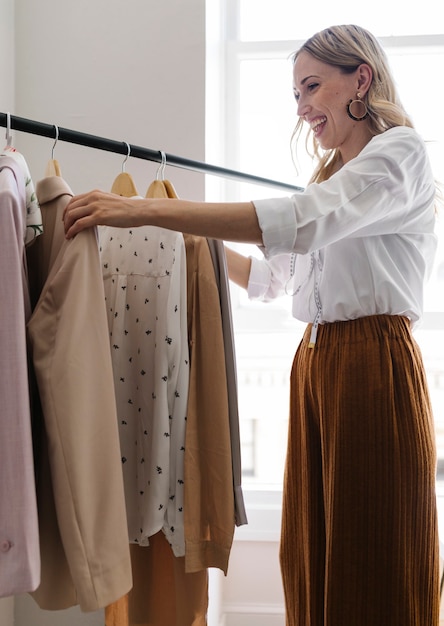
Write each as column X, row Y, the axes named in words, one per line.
column 365, row 77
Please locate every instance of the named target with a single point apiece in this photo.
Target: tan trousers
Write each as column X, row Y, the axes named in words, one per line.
column 359, row 531
column 163, row 594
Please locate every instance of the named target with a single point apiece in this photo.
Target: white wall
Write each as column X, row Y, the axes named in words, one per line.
column 132, row 71
column 252, row 594
column 7, row 56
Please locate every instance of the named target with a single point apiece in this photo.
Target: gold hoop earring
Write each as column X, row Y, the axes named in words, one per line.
column 362, row 108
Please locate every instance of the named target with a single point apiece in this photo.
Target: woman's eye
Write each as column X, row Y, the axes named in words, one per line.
column 312, row 86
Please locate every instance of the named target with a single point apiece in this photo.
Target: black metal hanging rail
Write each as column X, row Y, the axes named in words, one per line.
column 121, row 147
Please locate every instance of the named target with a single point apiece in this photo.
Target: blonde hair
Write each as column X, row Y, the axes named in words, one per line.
column 346, row 47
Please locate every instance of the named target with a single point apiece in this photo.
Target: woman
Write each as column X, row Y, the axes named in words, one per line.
column 359, row 532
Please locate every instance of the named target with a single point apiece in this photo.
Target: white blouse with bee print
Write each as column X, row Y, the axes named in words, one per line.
column 144, row 271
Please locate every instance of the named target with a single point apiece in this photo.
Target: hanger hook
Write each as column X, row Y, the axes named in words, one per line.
column 128, row 154
column 55, row 142
column 8, row 130
column 161, row 170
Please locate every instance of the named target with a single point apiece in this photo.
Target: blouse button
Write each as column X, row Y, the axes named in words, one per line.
column 5, row 545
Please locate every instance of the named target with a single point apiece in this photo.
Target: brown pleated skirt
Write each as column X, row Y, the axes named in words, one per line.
column 359, row 529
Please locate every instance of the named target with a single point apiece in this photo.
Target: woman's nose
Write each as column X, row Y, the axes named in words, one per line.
column 303, row 107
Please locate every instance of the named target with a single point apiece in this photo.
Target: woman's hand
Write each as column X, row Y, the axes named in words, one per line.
column 99, row 207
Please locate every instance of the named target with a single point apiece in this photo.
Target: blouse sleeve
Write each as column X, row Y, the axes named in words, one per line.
column 269, row 277
column 382, row 190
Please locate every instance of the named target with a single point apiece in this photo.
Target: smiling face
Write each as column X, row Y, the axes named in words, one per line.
column 322, row 92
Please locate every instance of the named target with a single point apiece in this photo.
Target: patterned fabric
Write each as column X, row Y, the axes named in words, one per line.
column 34, row 226
column 144, row 275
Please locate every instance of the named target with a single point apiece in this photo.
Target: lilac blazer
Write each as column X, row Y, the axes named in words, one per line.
column 19, row 541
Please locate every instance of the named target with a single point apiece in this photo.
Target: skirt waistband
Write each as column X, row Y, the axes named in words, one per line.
column 361, row 329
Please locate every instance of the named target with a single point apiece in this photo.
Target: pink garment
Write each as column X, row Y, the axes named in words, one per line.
column 19, row 541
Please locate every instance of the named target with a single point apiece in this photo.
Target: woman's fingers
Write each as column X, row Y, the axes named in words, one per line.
column 91, row 209
column 76, row 214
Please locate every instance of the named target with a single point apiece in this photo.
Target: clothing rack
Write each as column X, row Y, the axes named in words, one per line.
column 121, row 147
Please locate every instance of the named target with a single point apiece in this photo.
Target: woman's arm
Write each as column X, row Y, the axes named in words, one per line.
column 236, row 221
column 238, row 267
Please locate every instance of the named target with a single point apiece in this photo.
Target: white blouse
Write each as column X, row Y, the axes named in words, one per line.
column 361, row 243
column 144, row 272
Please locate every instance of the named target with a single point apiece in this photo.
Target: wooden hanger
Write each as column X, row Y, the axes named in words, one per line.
column 53, row 167
column 171, row 192
column 157, row 190
column 123, row 184
column 161, row 188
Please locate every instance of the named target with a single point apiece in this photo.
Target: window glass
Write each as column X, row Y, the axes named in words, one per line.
column 261, row 20
column 267, row 117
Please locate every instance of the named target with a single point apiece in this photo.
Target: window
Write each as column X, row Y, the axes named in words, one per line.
column 255, row 115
